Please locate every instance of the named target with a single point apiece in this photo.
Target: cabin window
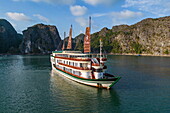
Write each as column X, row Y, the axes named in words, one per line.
column 77, row 73
column 59, row 61
column 70, row 70
column 98, row 70
column 76, row 64
column 71, row 63
column 84, row 65
column 65, row 69
column 81, row 65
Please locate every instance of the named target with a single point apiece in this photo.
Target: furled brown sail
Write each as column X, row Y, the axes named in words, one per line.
column 87, row 48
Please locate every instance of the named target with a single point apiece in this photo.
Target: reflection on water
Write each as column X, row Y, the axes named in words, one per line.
column 84, row 97
column 28, row 85
column 36, row 62
column 23, row 88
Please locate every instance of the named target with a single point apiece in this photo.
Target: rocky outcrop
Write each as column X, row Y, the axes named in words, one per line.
column 9, row 38
column 40, row 39
column 150, row 36
column 78, row 42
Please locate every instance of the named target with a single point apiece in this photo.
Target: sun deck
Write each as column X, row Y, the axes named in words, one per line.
column 71, row 55
column 76, row 54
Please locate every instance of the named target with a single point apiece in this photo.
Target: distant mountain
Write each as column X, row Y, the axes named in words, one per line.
column 149, row 36
column 40, row 39
column 77, row 43
column 9, row 38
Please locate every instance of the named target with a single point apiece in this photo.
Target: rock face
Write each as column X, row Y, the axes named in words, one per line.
column 78, row 42
column 9, row 38
column 150, row 36
column 40, row 39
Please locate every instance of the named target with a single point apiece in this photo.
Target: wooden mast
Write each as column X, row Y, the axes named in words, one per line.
column 69, row 45
column 64, row 41
column 101, row 45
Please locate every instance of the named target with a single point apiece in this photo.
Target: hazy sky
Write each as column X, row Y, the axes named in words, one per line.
column 63, row 13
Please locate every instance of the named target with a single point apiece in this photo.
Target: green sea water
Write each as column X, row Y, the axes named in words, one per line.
column 27, row 85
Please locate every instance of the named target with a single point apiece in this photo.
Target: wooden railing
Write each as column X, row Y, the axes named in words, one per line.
column 74, row 67
column 95, row 64
column 69, row 72
column 76, row 59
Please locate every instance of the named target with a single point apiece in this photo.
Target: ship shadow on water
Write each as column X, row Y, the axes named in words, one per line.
column 81, row 96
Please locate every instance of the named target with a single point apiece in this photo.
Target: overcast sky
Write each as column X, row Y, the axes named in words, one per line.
column 62, row 13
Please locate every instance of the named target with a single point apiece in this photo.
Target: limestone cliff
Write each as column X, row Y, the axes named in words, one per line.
column 9, row 38
column 40, row 39
column 149, row 36
column 77, row 42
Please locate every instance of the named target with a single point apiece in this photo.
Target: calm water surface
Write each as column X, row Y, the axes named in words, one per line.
column 27, row 85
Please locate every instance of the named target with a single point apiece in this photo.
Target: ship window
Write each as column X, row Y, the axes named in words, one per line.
column 71, row 63
column 81, row 65
column 76, row 64
column 76, row 72
column 98, row 70
column 84, row 65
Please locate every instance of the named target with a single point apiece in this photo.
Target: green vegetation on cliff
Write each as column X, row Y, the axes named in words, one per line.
column 137, row 48
column 149, row 36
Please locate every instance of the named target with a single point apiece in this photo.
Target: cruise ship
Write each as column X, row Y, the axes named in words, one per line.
column 83, row 67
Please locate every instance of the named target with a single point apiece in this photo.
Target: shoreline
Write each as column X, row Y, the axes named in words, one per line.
column 24, row 54
column 131, row 54
column 125, row 54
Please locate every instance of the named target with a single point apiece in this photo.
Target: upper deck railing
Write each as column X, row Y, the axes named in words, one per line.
column 75, row 59
column 77, row 55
